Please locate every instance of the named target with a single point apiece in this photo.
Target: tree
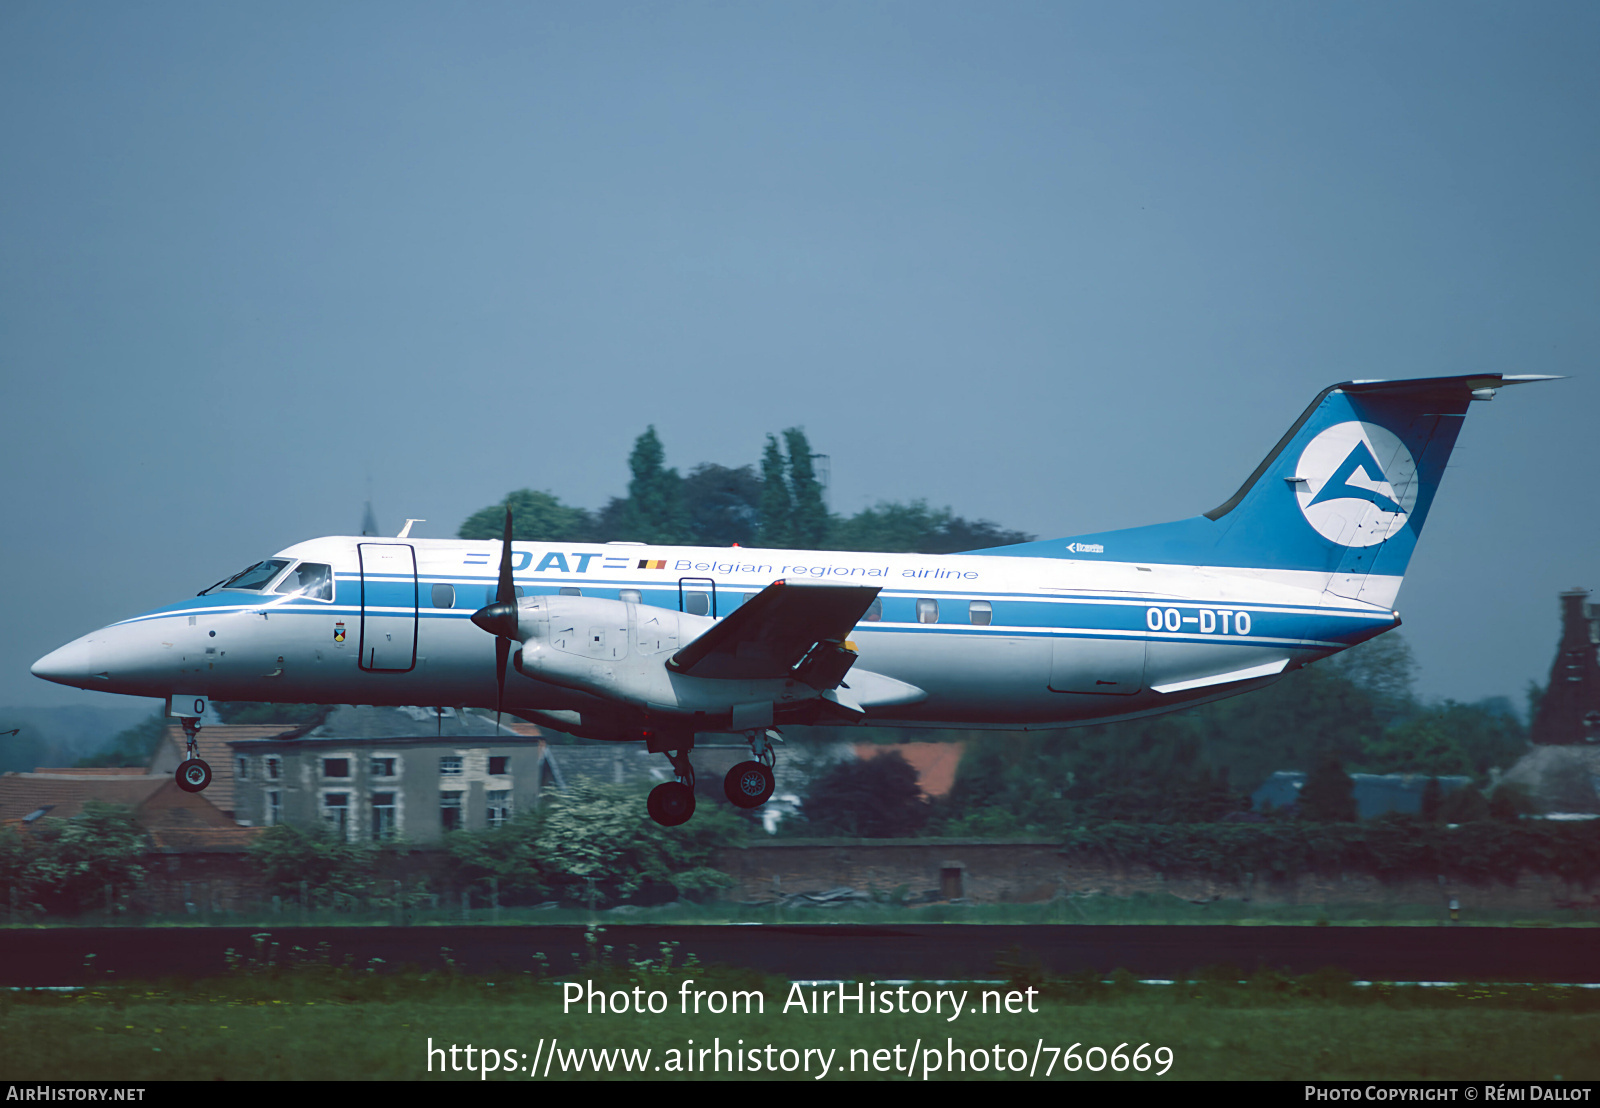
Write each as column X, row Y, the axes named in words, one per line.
column 655, row 494
column 776, row 504
column 333, row 869
column 722, row 506
column 534, row 516
column 808, row 525
column 602, row 832
column 1329, row 795
column 894, row 527
column 871, row 798
column 133, row 747
column 75, row 859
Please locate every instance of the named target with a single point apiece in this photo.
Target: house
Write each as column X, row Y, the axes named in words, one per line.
column 376, row 773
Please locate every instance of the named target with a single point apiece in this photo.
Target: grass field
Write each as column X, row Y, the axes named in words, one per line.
column 326, row 1022
column 1142, row 908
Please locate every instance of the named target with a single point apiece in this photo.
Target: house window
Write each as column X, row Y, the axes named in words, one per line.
column 499, row 806
column 336, row 767
column 274, row 808
column 980, row 612
column 382, row 767
column 383, row 825
column 274, row 768
column 450, row 766
column 244, row 768
column 499, row 765
column 927, row 611
column 450, row 814
column 336, row 811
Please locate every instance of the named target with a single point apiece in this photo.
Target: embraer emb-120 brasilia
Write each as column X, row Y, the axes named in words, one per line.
column 626, row 642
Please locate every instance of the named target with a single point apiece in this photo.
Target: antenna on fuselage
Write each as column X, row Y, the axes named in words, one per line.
column 405, row 532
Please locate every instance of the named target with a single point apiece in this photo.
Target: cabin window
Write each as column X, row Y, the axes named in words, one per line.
column 257, row 577
column 488, row 593
column 697, row 603
column 336, row 767
column 383, row 824
column 568, row 590
column 874, row 612
column 499, row 765
column 444, row 596
column 450, row 811
column 980, row 612
column 312, row 580
column 630, row 596
column 927, row 611
column 450, row 766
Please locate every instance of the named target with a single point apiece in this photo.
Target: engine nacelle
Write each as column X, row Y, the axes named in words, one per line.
column 618, row 651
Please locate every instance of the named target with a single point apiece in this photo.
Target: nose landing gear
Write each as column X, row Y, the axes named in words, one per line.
column 193, row 775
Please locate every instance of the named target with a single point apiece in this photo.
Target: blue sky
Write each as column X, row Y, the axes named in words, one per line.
column 1069, row 267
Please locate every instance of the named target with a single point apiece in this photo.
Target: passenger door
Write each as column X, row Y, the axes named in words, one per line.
column 388, row 607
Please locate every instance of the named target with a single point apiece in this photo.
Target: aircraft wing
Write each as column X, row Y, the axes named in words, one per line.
column 770, row 634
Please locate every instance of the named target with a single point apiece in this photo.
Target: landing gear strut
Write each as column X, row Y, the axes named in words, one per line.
column 750, row 784
column 193, row 774
column 672, row 802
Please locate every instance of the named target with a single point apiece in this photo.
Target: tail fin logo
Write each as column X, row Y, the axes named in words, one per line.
column 1357, row 484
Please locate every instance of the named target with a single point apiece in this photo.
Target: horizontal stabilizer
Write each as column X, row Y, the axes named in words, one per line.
column 769, row 634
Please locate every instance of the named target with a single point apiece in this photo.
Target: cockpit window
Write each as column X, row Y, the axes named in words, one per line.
column 257, row 577
column 309, row 579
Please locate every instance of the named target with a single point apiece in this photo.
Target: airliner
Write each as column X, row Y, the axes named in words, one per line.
column 658, row 644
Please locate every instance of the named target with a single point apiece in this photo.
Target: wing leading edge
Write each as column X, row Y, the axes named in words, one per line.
column 772, row 633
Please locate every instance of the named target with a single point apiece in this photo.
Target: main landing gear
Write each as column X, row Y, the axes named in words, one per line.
column 750, row 784
column 747, row 785
column 192, row 774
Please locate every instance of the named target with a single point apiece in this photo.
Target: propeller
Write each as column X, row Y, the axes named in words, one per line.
column 500, row 619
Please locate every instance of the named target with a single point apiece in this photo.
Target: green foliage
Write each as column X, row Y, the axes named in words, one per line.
column 722, row 505
column 290, row 715
column 511, row 854
column 334, row 870
column 1329, row 793
column 655, row 494
column 808, row 523
column 915, row 528
column 64, row 865
column 534, row 516
column 133, row 747
column 602, row 832
column 1391, row 848
column 775, row 501
column 871, row 798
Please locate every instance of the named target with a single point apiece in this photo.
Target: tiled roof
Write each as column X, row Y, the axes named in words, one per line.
column 935, row 763
column 356, row 721
column 94, row 771
column 66, row 794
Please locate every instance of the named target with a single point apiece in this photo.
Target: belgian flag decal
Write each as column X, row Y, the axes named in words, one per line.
column 656, row 563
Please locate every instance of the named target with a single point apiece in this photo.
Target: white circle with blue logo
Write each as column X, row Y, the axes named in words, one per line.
column 1357, row 484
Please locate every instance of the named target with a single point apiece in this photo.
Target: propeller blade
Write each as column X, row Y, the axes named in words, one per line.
column 502, row 651
column 507, row 592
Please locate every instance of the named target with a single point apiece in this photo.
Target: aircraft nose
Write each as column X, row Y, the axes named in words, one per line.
column 70, row 665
